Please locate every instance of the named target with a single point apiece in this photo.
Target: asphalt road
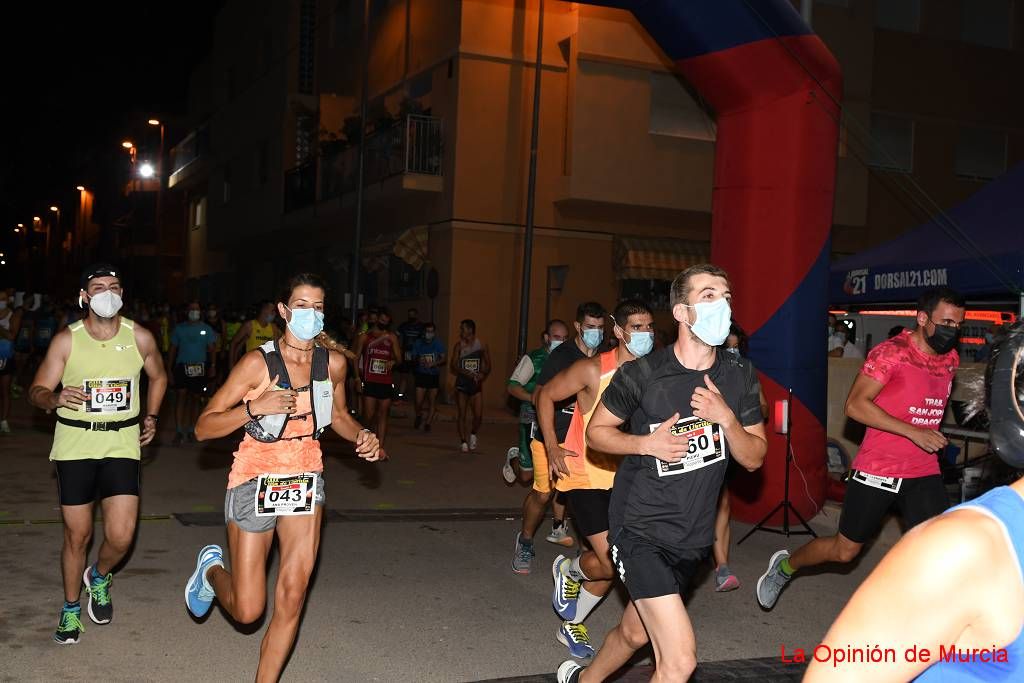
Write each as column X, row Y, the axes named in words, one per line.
column 413, row 581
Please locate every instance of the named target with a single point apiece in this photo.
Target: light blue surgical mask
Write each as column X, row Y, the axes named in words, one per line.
column 592, row 338
column 640, row 343
column 555, row 343
column 713, row 321
column 306, row 323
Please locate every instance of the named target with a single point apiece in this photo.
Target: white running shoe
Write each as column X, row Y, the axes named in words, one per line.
column 472, row 442
column 507, row 472
column 464, row 447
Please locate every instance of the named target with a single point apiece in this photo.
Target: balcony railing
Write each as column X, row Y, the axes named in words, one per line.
column 415, row 145
column 189, row 150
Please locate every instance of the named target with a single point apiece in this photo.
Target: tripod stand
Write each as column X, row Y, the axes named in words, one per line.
column 784, row 505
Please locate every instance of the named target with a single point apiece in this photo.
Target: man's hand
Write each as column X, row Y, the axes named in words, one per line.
column 148, row 431
column 927, row 440
column 368, row 446
column 274, row 402
column 709, row 405
column 666, row 446
column 71, row 398
column 556, row 460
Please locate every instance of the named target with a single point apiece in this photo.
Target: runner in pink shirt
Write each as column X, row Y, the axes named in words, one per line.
column 900, row 395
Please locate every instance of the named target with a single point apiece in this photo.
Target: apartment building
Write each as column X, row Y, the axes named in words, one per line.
column 625, row 158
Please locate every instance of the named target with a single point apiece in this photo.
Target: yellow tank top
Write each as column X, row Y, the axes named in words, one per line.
column 259, row 335
column 108, row 371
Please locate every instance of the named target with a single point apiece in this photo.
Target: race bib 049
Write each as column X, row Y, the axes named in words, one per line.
column 707, row 446
column 378, row 366
column 108, row 395
column 285, row 494
column 471, row 364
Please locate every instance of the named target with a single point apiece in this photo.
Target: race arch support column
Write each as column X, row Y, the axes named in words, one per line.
column 774, row 86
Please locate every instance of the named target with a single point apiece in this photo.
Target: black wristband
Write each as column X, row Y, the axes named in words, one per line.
column 254, row 418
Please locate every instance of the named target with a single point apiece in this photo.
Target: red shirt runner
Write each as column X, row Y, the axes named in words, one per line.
column 916, row 389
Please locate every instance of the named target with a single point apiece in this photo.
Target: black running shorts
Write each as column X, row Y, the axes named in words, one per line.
column 864, row 506
column 427, row 381
column 85, row 481
column 590, row 509
column 381, row 392
column 650, row 571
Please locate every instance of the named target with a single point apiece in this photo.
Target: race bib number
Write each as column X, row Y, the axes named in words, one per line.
column 44, row 334
column 407, row 356
column 471, row 364
column 285, row 494
column 378, row 366
column 108, row 395
column 569, row 409
column 427, row 360
column 888, row 484
column 707, row 446
column 195, row 370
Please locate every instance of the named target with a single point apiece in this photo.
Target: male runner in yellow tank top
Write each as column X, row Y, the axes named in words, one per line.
column 587, row 476
column 96, row 445
column 255, row 333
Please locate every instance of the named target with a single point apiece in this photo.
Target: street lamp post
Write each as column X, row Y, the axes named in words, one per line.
column 159, row 204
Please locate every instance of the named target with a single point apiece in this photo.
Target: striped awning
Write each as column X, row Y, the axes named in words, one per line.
column 657, row 258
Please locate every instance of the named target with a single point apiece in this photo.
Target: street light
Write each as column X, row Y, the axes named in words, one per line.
column 153, row 122
column 20, row 225
column 80, row 188
column 17, row 230
column 127, row 144
column 35, row 219
column 54, row 209
column 146, row 170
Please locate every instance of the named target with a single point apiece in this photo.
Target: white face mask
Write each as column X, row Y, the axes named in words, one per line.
column 105, row 304
column 194, row 316
column 713, row 321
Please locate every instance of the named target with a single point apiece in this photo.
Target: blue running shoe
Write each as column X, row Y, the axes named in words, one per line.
column 198, row 592
column 566, row 593
column 576, row 638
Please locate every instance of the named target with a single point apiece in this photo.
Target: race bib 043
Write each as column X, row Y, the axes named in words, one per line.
column 108, row 395
column 707, row 446
column 285, row 494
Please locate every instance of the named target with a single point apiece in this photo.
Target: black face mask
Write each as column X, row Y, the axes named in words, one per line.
column 383, row 326
column 944, row 339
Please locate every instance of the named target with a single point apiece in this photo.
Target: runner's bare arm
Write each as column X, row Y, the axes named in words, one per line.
column 947, row 594
column 604, row 435
column 568, row 383
column 342, row 422
column 517, row 391
column 238, row 343
column 397, row 346
column 453, row 364
column 42, row 394
column 357, row 352
column 153, row 365
column 860, row 406
column 225, row 412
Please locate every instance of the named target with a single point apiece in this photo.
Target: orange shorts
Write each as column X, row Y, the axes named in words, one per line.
column 541, row 476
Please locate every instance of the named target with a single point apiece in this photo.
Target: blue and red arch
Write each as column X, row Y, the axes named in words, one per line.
column 775, row 88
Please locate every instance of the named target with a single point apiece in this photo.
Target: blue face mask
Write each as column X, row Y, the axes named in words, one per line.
column 555, row 343
column 713, row 321
column 306, row 323
column 640, row 343
column 592, row 338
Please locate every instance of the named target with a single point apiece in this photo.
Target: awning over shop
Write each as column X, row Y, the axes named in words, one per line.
column 657, row 258
column 410, row 246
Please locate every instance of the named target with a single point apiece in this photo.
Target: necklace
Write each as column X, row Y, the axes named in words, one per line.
column 297, row 348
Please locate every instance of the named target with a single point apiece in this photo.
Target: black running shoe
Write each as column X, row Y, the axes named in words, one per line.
column 100, row 608
column 418, row 422
column 70, row 626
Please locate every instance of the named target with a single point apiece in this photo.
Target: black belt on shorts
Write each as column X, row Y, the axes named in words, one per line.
column 112, row 426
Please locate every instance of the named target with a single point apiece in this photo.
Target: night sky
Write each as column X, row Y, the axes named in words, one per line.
column 81, row 77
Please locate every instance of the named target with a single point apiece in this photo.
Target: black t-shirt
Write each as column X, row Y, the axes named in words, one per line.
column 408, row 333
column 561, row 358
column 674, row 505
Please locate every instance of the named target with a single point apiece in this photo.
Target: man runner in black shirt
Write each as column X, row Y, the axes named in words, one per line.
column 684, row 403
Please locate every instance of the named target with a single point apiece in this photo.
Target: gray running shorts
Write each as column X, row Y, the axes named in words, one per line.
column 240, row 507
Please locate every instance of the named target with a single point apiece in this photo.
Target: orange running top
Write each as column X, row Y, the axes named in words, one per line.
column 591, row 469
column 295, row 453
